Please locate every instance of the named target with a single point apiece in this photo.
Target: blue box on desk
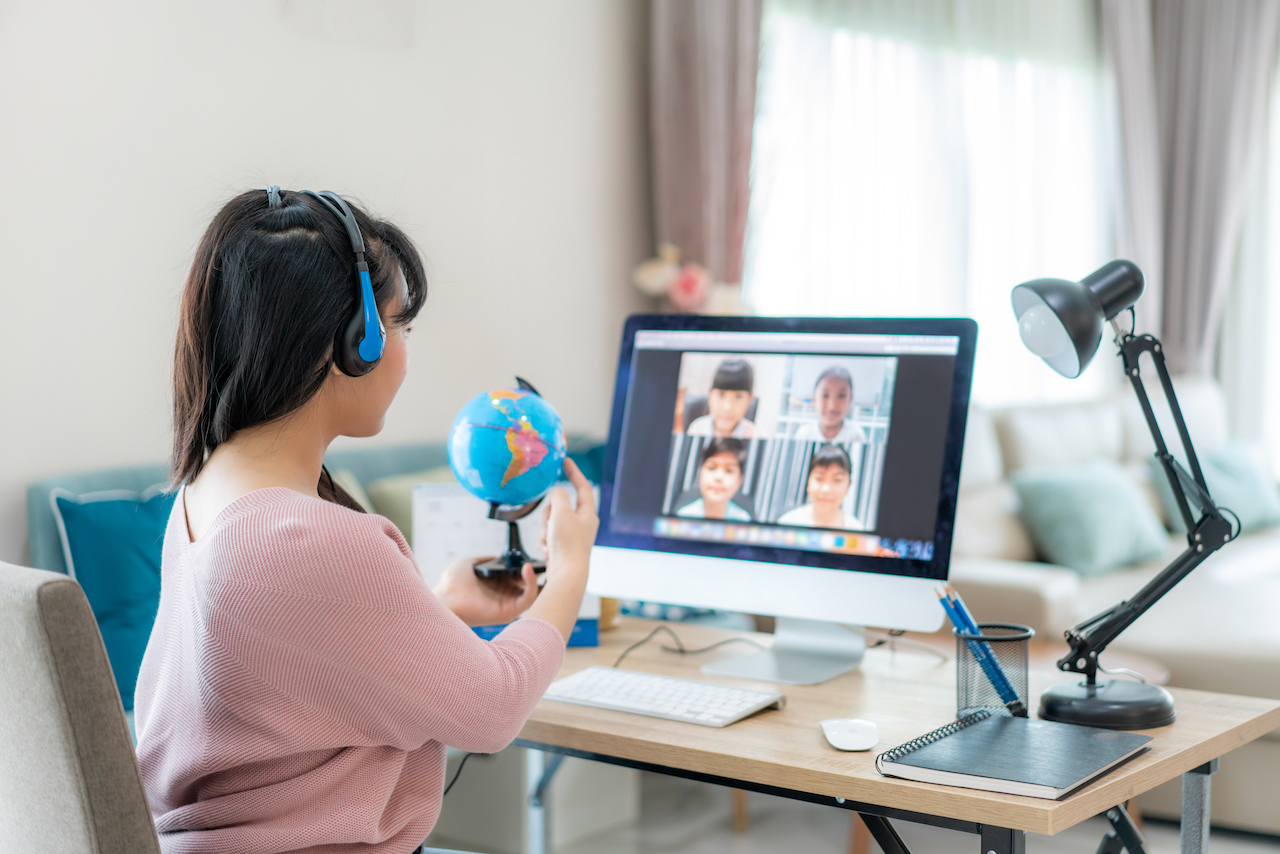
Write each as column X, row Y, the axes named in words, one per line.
column 586, row 632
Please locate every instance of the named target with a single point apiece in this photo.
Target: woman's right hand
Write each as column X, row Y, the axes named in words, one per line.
column 569, row 531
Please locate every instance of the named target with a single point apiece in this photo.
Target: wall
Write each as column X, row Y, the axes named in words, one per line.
column 507, row 138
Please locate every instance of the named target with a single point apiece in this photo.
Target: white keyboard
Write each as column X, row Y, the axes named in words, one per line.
column 701, row 703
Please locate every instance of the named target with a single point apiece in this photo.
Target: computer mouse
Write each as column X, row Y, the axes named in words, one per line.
column 850, row 733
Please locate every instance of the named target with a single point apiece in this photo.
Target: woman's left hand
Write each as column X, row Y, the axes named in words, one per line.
column 483, row 601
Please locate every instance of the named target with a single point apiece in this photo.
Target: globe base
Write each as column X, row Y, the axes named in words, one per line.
column 498, row 568
column 511, row 564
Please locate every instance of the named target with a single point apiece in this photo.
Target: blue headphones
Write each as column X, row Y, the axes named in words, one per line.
column 359, row 342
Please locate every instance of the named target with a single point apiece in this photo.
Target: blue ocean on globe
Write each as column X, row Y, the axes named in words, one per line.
column 507, row 446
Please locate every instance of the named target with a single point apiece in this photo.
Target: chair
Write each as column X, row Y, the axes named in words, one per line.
column 69, row 780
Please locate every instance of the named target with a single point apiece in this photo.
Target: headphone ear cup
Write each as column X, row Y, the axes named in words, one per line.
column 346, row 347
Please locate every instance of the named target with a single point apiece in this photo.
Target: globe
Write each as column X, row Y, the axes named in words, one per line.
column 506, row 446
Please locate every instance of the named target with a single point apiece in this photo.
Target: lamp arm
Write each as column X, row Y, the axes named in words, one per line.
column 1205, row 534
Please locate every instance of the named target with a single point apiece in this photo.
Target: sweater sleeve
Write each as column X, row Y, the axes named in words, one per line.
column 329, row 614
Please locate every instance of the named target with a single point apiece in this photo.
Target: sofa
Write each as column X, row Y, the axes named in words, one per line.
column 1217, row 630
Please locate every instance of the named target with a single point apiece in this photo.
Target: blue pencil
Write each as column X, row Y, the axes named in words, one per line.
column 1002, row 683
column 963, row 620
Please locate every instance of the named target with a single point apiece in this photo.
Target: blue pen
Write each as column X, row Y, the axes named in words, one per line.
column 981, row 650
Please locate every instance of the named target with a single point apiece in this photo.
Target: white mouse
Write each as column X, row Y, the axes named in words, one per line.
column 850, row 733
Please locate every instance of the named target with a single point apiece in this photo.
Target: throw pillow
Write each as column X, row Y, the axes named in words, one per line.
column 1091, row 518
column 1235, row 482
column 112, row 542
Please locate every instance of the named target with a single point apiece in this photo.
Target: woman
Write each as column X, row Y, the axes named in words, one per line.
column 830, row 473
column 301, row 681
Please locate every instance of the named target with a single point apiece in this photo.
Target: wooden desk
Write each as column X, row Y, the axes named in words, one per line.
column 907, row 693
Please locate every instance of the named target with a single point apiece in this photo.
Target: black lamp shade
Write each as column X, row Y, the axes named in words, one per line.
column 1076, row 312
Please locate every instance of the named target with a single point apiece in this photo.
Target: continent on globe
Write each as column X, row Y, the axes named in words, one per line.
column 527, row 450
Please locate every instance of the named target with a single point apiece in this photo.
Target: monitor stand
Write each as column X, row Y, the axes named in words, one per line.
column 804, row 652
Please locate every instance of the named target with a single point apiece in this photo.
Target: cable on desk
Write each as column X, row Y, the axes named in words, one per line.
column 895, row 637
column 457, row 774
column 680, row 647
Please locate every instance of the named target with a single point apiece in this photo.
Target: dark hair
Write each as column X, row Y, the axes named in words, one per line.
column 835, row 372
column 734, row 375
column 724, row 445
column 831, row 455
column 267, row 292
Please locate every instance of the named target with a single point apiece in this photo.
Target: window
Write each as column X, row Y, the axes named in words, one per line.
column 919, row 162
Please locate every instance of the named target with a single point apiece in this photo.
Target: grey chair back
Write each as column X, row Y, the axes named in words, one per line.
column 69, row 779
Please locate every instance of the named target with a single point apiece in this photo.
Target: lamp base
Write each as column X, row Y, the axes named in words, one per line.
column 1112, row 703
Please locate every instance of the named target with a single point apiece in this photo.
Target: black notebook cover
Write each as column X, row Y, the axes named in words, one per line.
column 1017, row 756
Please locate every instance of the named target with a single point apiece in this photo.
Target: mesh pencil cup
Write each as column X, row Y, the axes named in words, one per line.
column 975, row 689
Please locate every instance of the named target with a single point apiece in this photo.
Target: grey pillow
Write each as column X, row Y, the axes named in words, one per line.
column 1091, row 518
column 1234, row 483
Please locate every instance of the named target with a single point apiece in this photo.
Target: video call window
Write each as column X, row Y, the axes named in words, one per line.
column 796, row 440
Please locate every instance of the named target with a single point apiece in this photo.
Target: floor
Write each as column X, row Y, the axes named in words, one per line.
column 686, row 817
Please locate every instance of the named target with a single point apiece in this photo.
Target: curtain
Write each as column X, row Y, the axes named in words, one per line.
column 1127, row 39
column 923, row 157
column 702, row 105
column 1213, row 62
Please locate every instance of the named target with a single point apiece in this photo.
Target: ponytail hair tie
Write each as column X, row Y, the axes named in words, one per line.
column 273, row 196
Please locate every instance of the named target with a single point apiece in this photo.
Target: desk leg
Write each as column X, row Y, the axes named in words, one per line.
column 1003, row 840
column 1195, row 808
column 540, row 767
column 888, row 839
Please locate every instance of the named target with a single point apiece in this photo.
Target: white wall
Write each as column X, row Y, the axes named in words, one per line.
column 507, row 137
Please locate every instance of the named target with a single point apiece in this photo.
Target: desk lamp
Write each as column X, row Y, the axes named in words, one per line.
column 1061, row 322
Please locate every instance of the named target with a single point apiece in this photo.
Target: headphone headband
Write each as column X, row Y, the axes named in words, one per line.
column 338, row 205
column 359, row 342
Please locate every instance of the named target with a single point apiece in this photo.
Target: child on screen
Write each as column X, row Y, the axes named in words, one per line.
column 719, row 479
column 830, row 473
column 728, row 402
column 832, row 398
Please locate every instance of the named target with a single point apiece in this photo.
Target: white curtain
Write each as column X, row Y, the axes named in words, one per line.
column 923, row 157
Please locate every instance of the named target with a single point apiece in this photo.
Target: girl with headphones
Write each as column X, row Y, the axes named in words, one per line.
column 302, row 681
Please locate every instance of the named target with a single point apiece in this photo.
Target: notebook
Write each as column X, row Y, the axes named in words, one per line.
column 1016, row 756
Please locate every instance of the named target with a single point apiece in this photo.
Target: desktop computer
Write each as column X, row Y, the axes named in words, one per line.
column 804, row 468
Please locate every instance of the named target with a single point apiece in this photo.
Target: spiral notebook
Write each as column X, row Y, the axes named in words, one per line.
column 1016, row 756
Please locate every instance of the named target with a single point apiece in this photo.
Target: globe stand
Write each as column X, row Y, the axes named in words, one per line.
column 511, row 564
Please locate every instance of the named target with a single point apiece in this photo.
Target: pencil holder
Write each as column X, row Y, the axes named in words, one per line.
column 1003, row 645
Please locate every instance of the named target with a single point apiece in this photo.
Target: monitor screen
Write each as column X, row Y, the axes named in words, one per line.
column 832, row 443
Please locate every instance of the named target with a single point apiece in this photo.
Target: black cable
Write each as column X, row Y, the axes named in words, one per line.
column 457, row 774
column 680, row 647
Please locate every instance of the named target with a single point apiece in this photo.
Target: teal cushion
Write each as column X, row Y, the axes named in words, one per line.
column 112, row 543
column 1092, row 518
column 1234, row 482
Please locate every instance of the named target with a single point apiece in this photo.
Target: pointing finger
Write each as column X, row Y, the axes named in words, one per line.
column 586, row 497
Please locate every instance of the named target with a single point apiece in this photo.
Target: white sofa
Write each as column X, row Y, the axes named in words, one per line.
column 1219, row 630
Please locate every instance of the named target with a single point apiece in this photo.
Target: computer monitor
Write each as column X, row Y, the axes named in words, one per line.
column 805, row 468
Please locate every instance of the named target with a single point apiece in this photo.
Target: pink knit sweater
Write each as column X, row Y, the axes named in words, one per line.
column 302, row 681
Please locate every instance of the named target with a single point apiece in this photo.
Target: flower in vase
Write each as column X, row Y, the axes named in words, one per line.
column 689, row 288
